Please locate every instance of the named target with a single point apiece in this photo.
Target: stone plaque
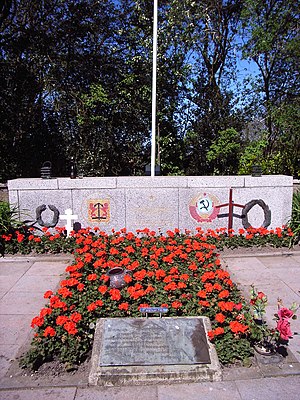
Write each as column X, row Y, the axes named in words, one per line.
column 153, row 341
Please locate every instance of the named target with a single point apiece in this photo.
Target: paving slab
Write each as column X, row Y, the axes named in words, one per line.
column 118, row 393
column 7, row 354
column 280, row 262
column 41, row 394
column 48, row 268
column 7, row 282
column 34, row 283
column 280, row 388
column 22, row 303
column 197, row 391
column 13, row 329
column 10, row 268
column 243, row 263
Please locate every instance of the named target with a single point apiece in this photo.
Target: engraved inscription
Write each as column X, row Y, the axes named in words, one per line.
column 153, row 341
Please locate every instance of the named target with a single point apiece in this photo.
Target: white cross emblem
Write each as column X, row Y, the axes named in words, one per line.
column 69, row 217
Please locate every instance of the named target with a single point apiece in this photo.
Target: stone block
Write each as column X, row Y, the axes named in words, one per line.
column 32, row 184
column 156, row 209
column 137, row 351
column 152, row 182
column 268, row 181
column 216, row 181
column 29, row 200
column 87, row 183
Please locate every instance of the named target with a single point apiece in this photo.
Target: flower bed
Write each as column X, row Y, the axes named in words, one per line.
column 179, row 271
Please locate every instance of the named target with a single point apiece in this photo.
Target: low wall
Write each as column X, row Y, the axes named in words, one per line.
column 158, row 203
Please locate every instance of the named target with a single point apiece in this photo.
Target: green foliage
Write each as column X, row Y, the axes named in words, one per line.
column 77, row 83
column 224, row 152
column 252, row 154
column 9, row 218
column 294, row 223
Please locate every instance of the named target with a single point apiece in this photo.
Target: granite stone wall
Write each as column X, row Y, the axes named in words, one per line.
column 158, row 203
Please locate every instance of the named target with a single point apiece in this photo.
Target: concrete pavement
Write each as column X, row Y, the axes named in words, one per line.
column 23, row 281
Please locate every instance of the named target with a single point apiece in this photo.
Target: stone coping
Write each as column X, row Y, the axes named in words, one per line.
column 150, row 182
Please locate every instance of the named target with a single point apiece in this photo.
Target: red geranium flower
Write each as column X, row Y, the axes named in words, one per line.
column 76, row 317
column 220, row 318
column 115, row 294
column 70, row 327
column 37, row 321
column 61, row 319
column 48, row 294
column 123, row 306
column 49, row 332
column 176, row 304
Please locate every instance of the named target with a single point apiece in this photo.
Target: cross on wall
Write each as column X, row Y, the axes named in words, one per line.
column 68, row 217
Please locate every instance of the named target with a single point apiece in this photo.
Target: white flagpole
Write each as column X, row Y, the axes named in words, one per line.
column 153, row 144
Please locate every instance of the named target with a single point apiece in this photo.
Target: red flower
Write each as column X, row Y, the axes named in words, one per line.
column 211, row 335
column 92, row 277
column 171, row 286
column 48, row 294
column 283, row 326
column 45, row 311
column 238, row 306
column 284, row 313
column 140, row 275
column 102, row 289
column 61, row 319
column 202, row 294
column 207, row 276
column 224, row 294
column 176, row 304
column 184, row 277
column 203, row 303
column 193, row 267
column 92, row 307
column 220, row 318
column 70, row 327
column 76, row 317
column 113, row 251
column 226, row 306
column 80, row 287
column 218, row 331
column 160, row 273
column 217, row 286
column 64, row 292
column 237, row 327
column 123, row 306
column 37, row 321
column 115, row 294
column 49, row 331
column 20, row 238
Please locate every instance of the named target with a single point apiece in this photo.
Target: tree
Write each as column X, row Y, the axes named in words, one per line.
column 270, row 32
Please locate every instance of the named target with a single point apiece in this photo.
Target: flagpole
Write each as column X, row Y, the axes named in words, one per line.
column 153, row 138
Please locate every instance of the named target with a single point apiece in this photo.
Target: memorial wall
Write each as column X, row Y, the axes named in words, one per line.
column 158, row 203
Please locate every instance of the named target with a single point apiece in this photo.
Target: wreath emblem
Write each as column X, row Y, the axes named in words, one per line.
column 39, row 218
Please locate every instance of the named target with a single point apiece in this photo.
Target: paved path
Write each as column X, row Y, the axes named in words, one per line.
column 23, row 281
